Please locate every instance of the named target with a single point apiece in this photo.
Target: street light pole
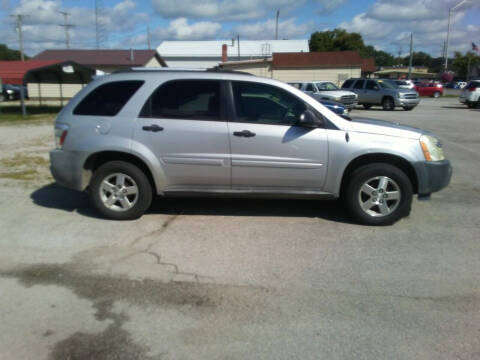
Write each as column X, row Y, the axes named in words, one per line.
column 453, row 8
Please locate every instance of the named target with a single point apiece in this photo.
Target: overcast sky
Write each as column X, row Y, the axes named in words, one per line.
column 386, row 24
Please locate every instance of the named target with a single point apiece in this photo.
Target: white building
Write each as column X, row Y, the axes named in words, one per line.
column 205, row 54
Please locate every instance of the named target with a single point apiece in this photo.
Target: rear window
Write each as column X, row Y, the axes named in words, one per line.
column 347, row 84
column 473, row 84
column 108, row 99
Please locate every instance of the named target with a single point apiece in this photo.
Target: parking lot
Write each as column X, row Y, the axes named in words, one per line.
column 236, row 278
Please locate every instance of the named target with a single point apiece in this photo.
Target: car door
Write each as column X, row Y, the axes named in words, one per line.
column 184, row 125
column 358, row 89
column 268, row 151
column 372, row 93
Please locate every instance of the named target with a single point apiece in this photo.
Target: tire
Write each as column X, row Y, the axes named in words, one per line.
column 471, row 105
column 388, row 104
column 387, row 199
column 436, row 94
column 367, row 106
column 120, row 191
column 408, row 108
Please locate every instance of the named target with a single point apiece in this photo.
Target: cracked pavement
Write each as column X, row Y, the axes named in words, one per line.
column 242, row 279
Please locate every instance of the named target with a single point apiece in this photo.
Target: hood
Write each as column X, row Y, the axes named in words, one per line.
column 383, row 127
column 335, row 93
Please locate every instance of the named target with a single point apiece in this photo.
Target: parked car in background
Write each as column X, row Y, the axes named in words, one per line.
column 470, row 94
column 12, row 92
column 326, row 90
column 382, row 92
column 430, row 89
column 404, row 84
column 129, row 136
column 452, row 85
column 336, row 107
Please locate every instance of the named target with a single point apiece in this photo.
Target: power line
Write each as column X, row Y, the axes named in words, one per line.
column 67, row 27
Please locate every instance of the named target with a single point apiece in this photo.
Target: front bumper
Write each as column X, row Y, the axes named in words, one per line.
column 350, row 105
column 432, row 176
column 67, row 169
column 407, row 102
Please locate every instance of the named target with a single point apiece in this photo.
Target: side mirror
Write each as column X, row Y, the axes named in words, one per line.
column 310, row 120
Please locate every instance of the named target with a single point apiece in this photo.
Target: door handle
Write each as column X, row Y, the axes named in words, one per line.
column 154, row 128
column 244, row 133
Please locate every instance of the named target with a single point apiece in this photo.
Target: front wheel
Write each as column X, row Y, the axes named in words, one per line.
column 408, row 108
column 436, row 94
column 388, row 104
column 120, row 191
column 378, row 194
column 367, row 106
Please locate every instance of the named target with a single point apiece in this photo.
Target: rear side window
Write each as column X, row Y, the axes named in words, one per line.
column 359, row 84
column 108, row 99
column 184, row 99
column 347, row 84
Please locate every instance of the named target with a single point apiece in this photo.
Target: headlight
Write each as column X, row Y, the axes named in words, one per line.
column 9, row 91
column 432, row 148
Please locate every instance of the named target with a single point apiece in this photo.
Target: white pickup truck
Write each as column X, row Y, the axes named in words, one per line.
column 326, row 90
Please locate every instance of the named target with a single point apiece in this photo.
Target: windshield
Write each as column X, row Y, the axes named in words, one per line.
column 325, row 86
column 387, row 84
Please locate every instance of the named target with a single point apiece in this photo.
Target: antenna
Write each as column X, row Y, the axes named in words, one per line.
column 67, row 27
column 148, row 38
column 99, row 29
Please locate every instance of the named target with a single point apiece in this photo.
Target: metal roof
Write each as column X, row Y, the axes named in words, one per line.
column 248, row 48
column 100, row 57
column 12, row 72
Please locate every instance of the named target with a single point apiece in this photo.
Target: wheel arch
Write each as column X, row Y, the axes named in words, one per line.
column 95, row 160
column 366, row 159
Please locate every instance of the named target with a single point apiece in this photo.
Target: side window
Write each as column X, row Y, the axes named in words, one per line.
column 265, row 104
column 107, row 99
column 371, row 85
column 359, row 84
column 296, row 85
column 310, row 87
column 184, row 99
column 347, row 84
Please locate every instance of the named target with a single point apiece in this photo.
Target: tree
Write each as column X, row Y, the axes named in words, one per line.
column 9, row 54
column 336, row 40
column 460, row 63
column 419, row 59
column 341, row 40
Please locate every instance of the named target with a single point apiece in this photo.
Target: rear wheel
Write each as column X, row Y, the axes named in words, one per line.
column 388, row 104
column 378, row 194
column 436, row 94
column 120, row 191
column 367, row 106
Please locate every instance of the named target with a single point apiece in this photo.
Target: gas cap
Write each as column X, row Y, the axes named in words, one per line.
column 103, row 128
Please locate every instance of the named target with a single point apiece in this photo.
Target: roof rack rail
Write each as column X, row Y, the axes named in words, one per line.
column 166, row 69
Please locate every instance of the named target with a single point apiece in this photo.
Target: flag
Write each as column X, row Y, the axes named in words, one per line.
column 474, row 47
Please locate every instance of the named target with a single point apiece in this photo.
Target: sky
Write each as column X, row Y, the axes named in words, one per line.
column 385, row 24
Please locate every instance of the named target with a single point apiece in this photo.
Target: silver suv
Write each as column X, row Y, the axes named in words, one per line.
column 382, row 92
column 326, row 90
column 132, row 135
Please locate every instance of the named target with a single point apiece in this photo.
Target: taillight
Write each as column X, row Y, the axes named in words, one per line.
column 61, row 132
column 472, row 89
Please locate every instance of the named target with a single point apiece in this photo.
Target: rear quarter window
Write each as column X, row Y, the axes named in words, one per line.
column 108, row 99
column 347, row 84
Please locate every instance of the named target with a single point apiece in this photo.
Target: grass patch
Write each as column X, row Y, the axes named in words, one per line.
column 28, row 174
column 24, row 167
column 12, row 113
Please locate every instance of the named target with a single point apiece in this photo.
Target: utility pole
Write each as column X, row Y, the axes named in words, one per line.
column 238, row 46
column 148, row 38
column 67, row 27
column 97, row 25
column 411, row 58
column 18, row 26
column 276, row 25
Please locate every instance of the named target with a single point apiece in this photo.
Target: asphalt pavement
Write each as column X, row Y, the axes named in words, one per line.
column 240, row 279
